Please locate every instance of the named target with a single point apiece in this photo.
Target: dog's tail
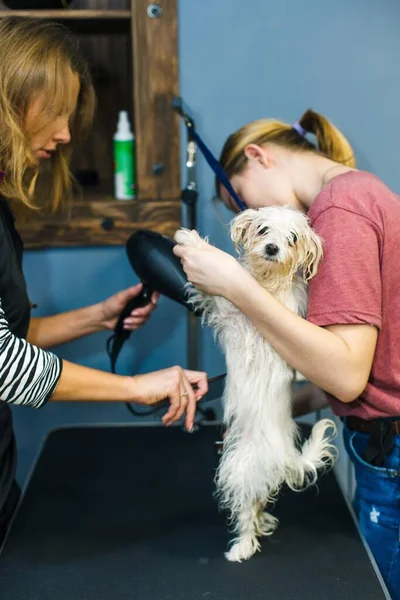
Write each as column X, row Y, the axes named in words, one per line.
column 317, row 453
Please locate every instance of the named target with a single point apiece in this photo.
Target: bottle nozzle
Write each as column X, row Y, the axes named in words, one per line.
column 124, row 125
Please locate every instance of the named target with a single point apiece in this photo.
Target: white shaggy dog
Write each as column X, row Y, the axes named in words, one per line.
column 261, row 448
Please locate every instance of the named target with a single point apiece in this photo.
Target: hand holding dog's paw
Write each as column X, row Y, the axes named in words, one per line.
column 209, row 269
column 187, row 237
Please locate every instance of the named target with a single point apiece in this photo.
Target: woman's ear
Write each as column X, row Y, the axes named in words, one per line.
column 240, row 227
column 256, row 152
column 313, row 252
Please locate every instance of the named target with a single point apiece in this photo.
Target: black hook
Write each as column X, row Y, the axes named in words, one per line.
column 177, row 105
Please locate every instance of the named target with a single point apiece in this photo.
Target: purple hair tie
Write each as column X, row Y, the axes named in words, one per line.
column 2, row 175
column 297, row 127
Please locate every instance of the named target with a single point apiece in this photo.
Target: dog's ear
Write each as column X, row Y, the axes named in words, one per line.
column 313, row 253
column 240, row 227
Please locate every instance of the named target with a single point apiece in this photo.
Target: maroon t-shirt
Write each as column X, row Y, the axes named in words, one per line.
column 358, row 281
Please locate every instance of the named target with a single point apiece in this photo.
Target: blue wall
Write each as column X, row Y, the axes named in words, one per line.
column 238, row 61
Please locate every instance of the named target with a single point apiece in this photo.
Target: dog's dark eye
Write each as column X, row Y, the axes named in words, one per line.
column 293, row 239
column 263, row 230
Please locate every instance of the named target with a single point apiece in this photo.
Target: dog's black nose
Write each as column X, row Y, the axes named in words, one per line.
column 271, row 249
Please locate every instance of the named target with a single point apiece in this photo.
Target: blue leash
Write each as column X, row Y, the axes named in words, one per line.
column 214, row 164
column 218, row 170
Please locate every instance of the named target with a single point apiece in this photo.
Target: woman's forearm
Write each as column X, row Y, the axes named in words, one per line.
column 321, row 356
column 79, row 383
column 48, row 332
column 181, row 388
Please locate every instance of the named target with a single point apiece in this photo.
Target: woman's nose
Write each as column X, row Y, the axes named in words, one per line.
column 63, row 136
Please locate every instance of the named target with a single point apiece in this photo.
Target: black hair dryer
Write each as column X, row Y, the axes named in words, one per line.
column 151, row 257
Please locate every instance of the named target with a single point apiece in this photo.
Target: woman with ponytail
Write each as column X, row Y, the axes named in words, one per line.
column 348, row 346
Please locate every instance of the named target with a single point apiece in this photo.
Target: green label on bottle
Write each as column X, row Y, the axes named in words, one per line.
column 125, row 176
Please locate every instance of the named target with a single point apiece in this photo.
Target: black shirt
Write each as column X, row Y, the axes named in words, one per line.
column 28, row 375
column 16, row 306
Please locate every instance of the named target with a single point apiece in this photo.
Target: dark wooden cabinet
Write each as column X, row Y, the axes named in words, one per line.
column 131, row 47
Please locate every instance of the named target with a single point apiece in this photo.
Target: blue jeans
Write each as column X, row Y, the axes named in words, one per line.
column 377, row 506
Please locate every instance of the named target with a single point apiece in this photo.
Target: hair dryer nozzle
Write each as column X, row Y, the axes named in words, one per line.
column 151, row 257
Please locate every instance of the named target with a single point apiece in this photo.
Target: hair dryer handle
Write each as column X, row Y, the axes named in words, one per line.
column 138, row 301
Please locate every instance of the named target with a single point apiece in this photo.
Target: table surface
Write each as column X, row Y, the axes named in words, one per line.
column 122, row 513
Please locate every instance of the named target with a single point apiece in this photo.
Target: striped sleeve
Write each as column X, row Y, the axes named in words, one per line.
column 28, row 375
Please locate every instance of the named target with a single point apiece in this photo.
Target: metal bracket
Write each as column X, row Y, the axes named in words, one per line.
column 189, row 193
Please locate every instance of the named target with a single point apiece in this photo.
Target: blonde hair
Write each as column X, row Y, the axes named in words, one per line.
column 330, row 141
column 38, row 56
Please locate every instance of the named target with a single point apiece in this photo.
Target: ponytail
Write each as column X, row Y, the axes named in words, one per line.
column 331, row 141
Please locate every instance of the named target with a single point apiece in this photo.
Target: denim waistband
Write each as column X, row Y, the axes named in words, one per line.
column 396, row 437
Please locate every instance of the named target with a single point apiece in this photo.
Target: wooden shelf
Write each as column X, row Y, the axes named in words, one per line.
column 134, row 64
column 80, row 14
column 96, row 221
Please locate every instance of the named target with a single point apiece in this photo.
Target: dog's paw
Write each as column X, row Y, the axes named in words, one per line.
column 266, row 524
column 243, row 549
column 187, row 237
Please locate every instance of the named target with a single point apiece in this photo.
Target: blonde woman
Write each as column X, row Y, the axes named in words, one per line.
column 349, row 346
column 46, row 102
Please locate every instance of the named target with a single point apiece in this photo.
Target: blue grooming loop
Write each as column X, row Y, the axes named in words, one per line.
column 214, row 164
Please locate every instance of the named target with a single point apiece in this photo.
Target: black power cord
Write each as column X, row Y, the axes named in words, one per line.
column 121, row 335
column 118, row 339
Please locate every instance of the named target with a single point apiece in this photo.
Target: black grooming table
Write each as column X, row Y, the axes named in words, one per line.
column 127, row 513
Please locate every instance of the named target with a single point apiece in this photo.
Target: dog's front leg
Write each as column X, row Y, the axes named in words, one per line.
column 200, row 300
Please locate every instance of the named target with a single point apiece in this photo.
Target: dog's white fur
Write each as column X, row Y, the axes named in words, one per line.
column 261, row 450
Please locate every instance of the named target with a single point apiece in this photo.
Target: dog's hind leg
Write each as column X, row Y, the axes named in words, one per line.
column 246, row 542
column 242, row 480
column 266, row 523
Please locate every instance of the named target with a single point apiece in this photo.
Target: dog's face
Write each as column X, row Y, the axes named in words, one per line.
column 279, row 238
